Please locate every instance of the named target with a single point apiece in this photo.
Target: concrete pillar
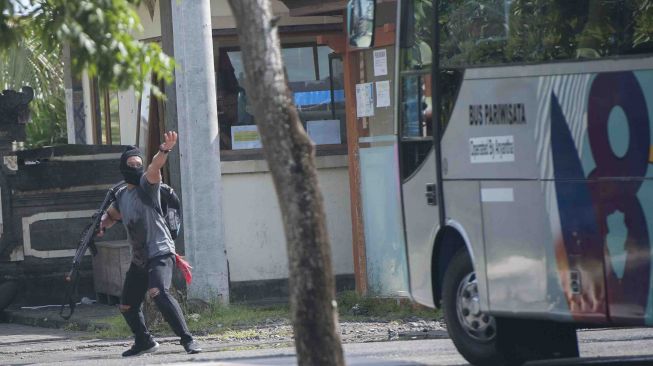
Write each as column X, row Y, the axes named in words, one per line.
column 199, row 149
column 89, row 110
column 170, row 107
column 74, row 93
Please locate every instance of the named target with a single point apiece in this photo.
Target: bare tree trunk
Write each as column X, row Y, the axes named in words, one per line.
column 291, row 158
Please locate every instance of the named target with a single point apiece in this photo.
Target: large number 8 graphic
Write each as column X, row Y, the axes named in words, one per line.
column 609, row 195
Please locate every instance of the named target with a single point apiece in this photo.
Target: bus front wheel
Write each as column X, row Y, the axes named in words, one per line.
column 487, row 341
column 472, row 332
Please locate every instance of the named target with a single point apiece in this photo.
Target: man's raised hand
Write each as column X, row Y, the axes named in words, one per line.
column 170, row 140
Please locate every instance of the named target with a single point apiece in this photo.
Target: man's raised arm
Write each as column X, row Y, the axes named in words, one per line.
column 153, row 173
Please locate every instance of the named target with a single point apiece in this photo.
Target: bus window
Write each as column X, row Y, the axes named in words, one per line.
column 416, row 134
column 495, row 32
column 415, row 112
column 416, row 35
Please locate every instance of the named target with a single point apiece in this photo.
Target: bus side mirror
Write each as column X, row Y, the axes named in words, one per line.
column 360, row 22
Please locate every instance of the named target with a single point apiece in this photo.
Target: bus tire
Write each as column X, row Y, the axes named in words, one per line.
column 473, row 333
column 528, row 340
column 487, row 341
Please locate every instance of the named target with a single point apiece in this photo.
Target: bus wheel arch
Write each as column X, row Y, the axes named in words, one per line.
column 447, row 243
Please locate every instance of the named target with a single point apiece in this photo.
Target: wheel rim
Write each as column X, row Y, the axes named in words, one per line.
column 476, row 324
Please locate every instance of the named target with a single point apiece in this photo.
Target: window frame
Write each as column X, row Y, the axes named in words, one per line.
column 286, row 43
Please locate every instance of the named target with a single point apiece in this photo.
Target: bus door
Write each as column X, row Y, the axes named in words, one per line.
column 417, row 158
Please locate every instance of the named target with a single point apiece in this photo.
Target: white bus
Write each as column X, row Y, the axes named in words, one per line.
column 525, row 156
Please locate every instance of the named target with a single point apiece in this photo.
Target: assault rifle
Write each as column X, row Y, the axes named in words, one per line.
column 86, row 242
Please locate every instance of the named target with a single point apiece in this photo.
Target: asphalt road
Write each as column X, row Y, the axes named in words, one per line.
column 24, row 345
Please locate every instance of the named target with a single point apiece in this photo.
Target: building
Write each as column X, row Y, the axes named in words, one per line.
column 345, row 98
column 254, row 236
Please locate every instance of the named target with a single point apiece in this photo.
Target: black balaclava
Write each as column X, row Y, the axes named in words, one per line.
column 132, row 175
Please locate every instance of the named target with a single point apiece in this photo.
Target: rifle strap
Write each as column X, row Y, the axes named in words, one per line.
column 71, row 295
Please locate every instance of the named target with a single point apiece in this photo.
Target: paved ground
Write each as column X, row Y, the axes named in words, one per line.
column 89, row 317
column 86, row 317
column 26, row 345
column 366, row 344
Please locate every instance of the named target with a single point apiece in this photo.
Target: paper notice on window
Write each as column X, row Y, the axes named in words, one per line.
column 364, row 100
column 380, row 63
column 245, row 137
column 324, row 132
column 383, row 93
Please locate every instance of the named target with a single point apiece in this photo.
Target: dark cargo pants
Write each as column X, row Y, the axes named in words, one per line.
column 155, row 280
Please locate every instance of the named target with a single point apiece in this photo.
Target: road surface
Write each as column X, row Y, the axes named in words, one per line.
column 24, row 345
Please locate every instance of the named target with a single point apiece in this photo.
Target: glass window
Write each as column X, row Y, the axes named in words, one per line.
column 300, row 63
column 416, row 35
column 485, row 32
column 315, row 77
column 323, row 53
column 416, row 105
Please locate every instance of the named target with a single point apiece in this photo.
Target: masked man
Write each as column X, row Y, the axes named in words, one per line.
column 153, row 250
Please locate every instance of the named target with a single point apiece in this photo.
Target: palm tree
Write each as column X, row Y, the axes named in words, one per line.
column 29, row 63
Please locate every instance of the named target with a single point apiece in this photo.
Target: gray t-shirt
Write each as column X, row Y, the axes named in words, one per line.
column 146, row 229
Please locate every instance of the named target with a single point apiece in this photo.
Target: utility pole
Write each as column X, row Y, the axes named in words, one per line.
column 170, row 108
column 199, row 160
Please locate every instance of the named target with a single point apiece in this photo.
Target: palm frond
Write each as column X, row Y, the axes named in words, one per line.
column 27, row 63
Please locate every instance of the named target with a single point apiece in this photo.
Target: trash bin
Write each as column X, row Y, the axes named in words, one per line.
column 110, row 266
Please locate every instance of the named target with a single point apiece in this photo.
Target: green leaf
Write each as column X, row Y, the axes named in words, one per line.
column 100, row 34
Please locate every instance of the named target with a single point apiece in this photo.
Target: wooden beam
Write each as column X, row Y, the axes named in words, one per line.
column 351, row 60
column 319, row 7
column 384, row 35
column 337, row 42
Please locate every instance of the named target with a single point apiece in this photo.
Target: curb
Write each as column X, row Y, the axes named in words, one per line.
column 431, row 334
column 12, row 316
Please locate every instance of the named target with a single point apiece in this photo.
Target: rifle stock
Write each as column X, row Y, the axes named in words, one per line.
column 85, row 242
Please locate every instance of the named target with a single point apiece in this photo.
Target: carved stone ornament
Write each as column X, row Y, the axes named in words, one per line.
column 11, row 162
column 14, row 106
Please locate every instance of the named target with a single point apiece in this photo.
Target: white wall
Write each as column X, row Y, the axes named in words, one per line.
column 151, row 25
column 256, row 245
column 127, row 109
